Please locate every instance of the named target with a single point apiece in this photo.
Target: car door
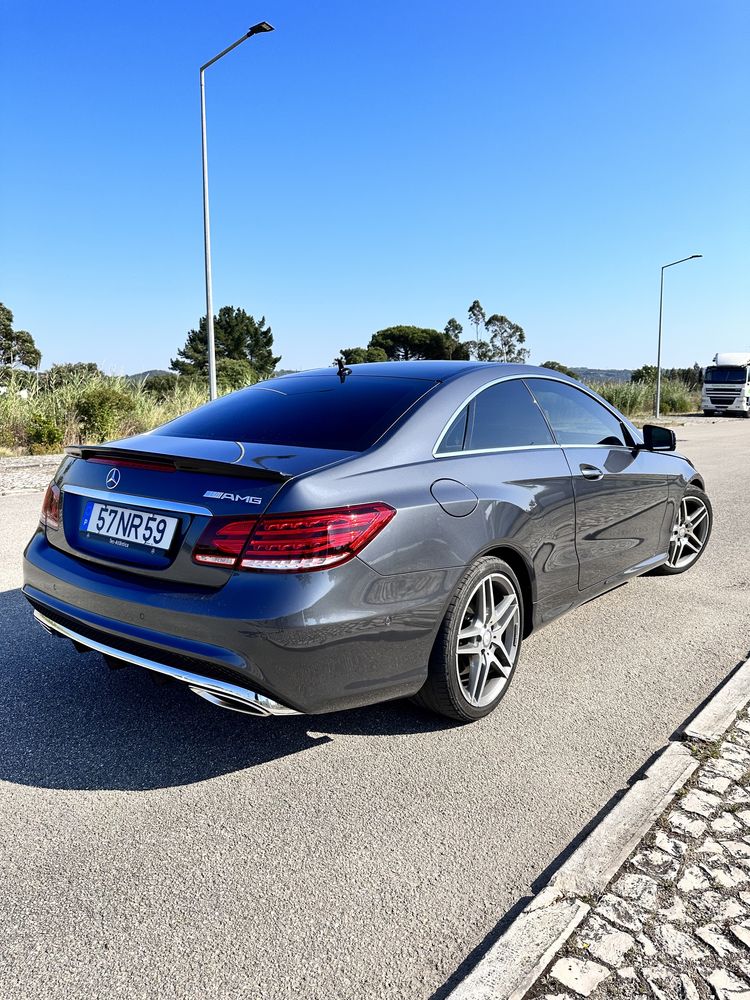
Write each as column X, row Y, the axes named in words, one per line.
column 500, row 445
column 621, row 492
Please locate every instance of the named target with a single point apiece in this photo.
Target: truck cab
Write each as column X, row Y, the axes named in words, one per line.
column 726, row 385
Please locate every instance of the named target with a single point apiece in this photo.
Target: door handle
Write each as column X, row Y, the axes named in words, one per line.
column 591, row 472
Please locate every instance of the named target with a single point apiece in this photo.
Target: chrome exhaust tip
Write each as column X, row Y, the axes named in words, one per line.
column 247, row 706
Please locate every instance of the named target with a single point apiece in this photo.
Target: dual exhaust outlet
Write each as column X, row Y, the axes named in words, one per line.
column 220, row 693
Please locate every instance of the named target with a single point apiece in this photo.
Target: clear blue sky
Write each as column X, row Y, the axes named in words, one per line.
column 374, row 164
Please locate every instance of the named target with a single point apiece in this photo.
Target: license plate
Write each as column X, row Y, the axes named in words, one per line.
column 128, row 528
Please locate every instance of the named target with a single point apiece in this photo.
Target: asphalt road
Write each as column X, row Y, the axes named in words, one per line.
column 152, row 846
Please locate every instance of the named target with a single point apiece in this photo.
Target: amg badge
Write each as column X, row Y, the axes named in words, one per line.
column 218, row 495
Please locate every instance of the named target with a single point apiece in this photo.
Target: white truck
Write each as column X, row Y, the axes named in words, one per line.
column 726, row 385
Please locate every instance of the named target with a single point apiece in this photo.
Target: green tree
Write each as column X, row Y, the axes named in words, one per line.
column 160, row 385
column 477, row 317
column 556, row 366
column 406, row 343
column 692, row 376
column 238, row 337
column 17, row 347
column 233, row 373
column 453, row 331
column 506, row 340
column 361, row 355
column 646, row 373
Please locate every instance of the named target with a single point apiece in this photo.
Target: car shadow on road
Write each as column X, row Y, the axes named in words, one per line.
column 68, row 722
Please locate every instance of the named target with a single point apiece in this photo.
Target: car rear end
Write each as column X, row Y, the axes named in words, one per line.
column 179, row 553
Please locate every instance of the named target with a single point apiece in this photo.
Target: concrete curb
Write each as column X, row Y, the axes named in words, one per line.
column 593, row 865
column 515, row 962
column 719, row 713
column 518, row 959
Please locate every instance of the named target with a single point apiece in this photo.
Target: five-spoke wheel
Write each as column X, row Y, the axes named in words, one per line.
column 690, row 531
column 488, row 639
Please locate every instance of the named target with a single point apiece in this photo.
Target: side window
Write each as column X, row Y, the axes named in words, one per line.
column 505, row 416
column 575, row 417
column 454, row 436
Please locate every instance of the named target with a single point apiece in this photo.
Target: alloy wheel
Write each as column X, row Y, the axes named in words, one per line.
column 488, row 640
column 689, row 532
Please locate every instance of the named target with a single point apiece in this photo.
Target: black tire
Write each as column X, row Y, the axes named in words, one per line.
column 667, row 569
column 443, row 692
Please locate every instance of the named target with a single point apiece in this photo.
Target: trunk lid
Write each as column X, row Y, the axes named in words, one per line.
column 113, row 493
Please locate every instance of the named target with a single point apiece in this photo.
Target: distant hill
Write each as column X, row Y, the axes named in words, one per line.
column 603, row 374
column 152, row 371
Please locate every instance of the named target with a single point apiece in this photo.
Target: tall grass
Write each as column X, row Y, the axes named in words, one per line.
column 637, row 398
column 38, row 418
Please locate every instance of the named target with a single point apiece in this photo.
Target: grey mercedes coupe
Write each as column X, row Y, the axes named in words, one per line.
column 334, row 538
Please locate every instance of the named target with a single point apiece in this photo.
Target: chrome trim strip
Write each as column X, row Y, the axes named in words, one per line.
column 490, row 451
column 609, row 447
column 111, row 497
column 529, row 447
column 261, row 703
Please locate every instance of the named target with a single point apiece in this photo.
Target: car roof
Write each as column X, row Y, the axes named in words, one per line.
column 438, row 371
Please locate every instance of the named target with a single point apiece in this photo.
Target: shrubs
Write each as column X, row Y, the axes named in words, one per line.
column 45, row 437
column 232, row 373
column 78, row 406
column 100, row 411
column 161, row 385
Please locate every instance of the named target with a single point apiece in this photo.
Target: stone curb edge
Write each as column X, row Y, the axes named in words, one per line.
column 527, row 947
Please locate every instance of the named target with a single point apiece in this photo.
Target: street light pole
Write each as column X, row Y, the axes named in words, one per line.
column 657, row 404
column 256, row 29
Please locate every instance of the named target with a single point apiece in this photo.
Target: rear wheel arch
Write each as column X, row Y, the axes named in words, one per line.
column 521, row 568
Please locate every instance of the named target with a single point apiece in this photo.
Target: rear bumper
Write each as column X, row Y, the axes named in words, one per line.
column 221, row 693
column 306, row 643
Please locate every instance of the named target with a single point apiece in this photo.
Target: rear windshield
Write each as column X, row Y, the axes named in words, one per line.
column 726, row 375
column 314, row 411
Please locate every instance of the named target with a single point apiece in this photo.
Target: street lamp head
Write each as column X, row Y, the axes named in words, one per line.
column 257, row 29
column 695, row 255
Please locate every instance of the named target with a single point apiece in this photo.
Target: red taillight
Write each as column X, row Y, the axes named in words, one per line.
column 222, row 542
column 292, row 543
column 295, row 543
column 50, row 516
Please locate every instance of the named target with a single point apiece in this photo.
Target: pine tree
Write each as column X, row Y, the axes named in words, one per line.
column 238, row 337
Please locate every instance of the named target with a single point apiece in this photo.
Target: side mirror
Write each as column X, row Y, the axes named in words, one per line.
column 658, row 438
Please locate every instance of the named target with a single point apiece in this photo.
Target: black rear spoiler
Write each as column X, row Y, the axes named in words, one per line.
column 178, row 462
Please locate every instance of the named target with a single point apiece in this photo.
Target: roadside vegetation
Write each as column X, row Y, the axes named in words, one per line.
column 636, row 399
column 41, row 412
column 42, row 416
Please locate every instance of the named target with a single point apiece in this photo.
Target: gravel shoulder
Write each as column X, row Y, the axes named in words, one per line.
column 27, row 474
